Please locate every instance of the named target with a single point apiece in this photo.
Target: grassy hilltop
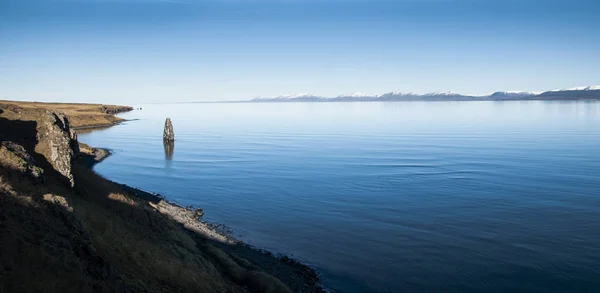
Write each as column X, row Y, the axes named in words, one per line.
column 80, row 115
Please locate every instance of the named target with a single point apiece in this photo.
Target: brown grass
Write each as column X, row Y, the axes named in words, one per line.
column 80, row 115
column 121, row 198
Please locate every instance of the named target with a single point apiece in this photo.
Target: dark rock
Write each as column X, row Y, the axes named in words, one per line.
column 115, row 109
column 74, row 142
column 99, row 154
column 168, row 134
column 14, row 156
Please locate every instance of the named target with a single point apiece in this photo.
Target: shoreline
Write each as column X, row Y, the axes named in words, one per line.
column 187, row 216
column 102, row 126
column 106, row 236
column 190, row 218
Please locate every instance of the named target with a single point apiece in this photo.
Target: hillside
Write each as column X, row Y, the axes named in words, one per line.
column 63, row 228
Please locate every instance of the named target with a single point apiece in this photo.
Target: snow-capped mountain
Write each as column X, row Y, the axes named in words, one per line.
column 402, row 94
column 584, row 88
column 293, row 97
column 576, row 93
column 513, row 94
column 354, row 95
column 449, row 93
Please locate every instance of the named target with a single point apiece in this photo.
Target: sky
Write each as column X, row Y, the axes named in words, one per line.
column 137, row 51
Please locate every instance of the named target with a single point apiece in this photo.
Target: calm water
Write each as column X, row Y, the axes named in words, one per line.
column 387, row 197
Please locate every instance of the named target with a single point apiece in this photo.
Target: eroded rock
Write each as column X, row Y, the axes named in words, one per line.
column 168, row 134
column 58, row 143
column 14, row 156
column 114, row 109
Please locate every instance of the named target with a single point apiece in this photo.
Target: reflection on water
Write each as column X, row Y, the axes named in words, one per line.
column 169, row 146
column 90, row 129
column 462, row 197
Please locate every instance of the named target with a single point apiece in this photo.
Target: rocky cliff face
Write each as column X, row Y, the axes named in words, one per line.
column 58, row 143
column 115, row 109
column 35, row 140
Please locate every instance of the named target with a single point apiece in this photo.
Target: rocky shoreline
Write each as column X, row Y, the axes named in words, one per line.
column 99, row 126
column 190, row 219
column 92, row 127
column 109, row 237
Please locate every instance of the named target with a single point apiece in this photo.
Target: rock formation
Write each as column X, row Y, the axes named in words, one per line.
column 14, row 156
column 168, row 134
column 33, row 138
column 58, row 143
column 115, row 109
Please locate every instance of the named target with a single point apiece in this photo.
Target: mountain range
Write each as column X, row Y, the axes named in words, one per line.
column 578, row 93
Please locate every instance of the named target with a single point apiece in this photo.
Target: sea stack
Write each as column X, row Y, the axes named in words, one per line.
column 168, row 134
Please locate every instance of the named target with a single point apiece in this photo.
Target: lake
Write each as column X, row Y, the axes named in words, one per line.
column 386, row 197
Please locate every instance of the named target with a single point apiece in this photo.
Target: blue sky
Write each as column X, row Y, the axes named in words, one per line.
column 134, row 51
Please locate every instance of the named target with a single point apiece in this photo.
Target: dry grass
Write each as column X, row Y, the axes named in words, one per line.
column 122, row 198
column 80, row 115
column 41, row 247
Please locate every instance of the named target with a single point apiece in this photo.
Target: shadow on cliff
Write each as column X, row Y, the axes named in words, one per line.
column 21, row 132
column 39, row 234
column 24, row 133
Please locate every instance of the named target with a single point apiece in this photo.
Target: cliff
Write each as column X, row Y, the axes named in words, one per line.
column 63, row 228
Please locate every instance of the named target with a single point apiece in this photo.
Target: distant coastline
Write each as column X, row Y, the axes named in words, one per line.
column 580, row 93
